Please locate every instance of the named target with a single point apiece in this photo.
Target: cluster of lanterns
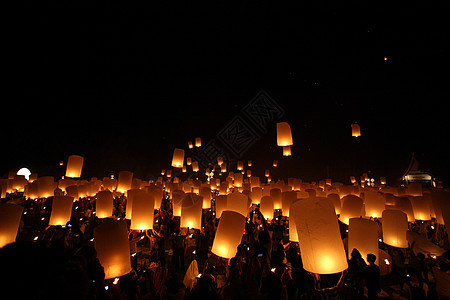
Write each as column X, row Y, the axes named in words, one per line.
column 312, row 209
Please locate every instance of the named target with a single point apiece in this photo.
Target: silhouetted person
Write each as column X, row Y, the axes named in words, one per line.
column 372, row 277
column 356, row 270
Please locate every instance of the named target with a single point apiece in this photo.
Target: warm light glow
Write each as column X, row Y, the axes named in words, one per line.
column 178, row 158
column 284, row 135
column 229, row 234
column 25, row 172
column 356, row 130
column 286, row 150
column 395, row 225
column 198, row 142
column 74, row 166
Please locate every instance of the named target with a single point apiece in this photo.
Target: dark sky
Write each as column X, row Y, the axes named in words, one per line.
column 124, row 86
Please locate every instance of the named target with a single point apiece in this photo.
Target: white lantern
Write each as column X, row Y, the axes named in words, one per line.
column 238, row 202
column 284, row 135
column 10, row 215
column 178, row 158
column 229, row 234
column 191, row 211
column 125, row 180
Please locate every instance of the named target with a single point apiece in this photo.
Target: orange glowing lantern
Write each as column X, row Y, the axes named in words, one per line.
column 177, row 200
column 275, row 193
column 74, row 166
column 286, row 200
column 421, row 208
column 356, row 130
column 363, row 235
column 61, row 210
column 395, row 225
column 142, row 211
column 205, row 192
column 374, row 203
column 336, row 202
column 113, row 248
column 125, row 180
column 190, row 145
column 284, row 135
column 104, row 204
column 237, row 202
column 266, row 207
column 286, row 150
column 46, row 186
column 195, row 166
column 275, row 163
column 178, row 158
column 318, row 232
column 229, row 234
column 10, row 215
column 352, row 207
column 221, row 204
column 191, row 211
column 198, row 142
column 240, row 165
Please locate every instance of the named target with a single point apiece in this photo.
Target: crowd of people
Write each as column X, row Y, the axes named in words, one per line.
column 169, row 262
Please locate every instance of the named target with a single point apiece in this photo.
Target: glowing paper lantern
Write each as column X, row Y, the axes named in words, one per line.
column 284, row 135
column 352, row 207
column 177, row 200
column 191, row 211
column 46, row 186
column 421, row 208
column 318, row 232
column 221, row 204
column 238, row 202
column 178, row 158
column 275, row 193
column 403, row 204
column 104, row 204
column 142, row 211
column 374, row 204
column 395, row 225
column 363, row 235
column 256, row 195
column 190, row 145
column 336, row 202
column 286, row 200
column 267, row 173
column 356, row 131
column 198, row 142
column 74, row 166
column 414, row 189
column 383, row 180
column 240, row 166
column 249, row 163
column 275, row 163
column 195, row 166
column 229, row 234
column 238, row 179
column 286, row 150
column 205, row 192
column 61, row 210
column 293, row 236
column 25, row 172
column 266, row 207
column 10, row 215
column 113, row 248
column 125, row 180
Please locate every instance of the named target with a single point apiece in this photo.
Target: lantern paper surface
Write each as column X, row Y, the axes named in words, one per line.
column 266, row 207
column 352, row 207
column 421, row 208
column 229, row 234
column 395, row 225
column 276, row 196
column 74, row 166
column 286, row 200
column 124, row 182
column 293, row 236
column 61, row 210
column 374, row 204
column 318, row 230
column 191, row 211
column 178, row 158
column 177, row 199
column 284, row 135
column 10, row 215
column 221, row 204
column 142, row 211
column 356, row 131
column 237, row 202
column 104, row 204
column 46, row 186
column 113, row 249
column 363, row 235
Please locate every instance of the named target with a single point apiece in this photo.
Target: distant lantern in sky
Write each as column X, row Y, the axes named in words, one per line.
column 318, row 232
column 395, row 225
column 178, row 158
column 142, row 211
column 219, row 160
column 125, row 180
column 195, row 166
column 275, row 163
column 104, row 204
column 10, row 215
column 229, row 234
column 356, row 130
column 240, row 165
column 113, row 248
column 267, row 173
column 198, row 142
column 61, row 210
column 249, row 163
column 284, row 135
column 74, row 166
column 190, row 145
column 286, row 150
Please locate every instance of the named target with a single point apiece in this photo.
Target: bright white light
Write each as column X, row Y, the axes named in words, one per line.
column 25, row 172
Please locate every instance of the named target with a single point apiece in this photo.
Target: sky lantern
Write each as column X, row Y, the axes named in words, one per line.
column 395, row 225
column 240, row 166
column 318, row 232
column 205, row 192
column 267, row 173
column 125, row 180
column 421, row 208
column 72, row 191
column 356, row 130
column 142, row 211
column 275, row 163
column 414, row 189
column 336, row 202
column 191, row 211
column 352, row 207
column 74, row 166
column 104, row 204
column 286, row 150
column 275, row 193
column 188, row 161
column 195, row 166
column 284, row 135
column 223, row 167
column 286, row 200
column 229, row 234
column 237, row 202
column 374, row 203
column 46, row 186
column 363, row 235
column 19, row 182
column 178, row 158
column 352, row 179
column 383, row 180
column 190, row 145
column 266, row 207
column 256, row 195
column 198, row 142
column 113, row 248
column 403, row 204
column 61, row 210
column 293, row 236
column 238, row 180
column 221, row 204
column 10, row 215
column 219, row 160
column 177, row 199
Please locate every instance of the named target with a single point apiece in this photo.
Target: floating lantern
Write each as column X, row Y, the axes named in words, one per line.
column 104, row 204
column 238, row 179
column 275, row 193
column 267, row 173
column 195, row 166
column 374, row 203
column 223, row 167
column 188, row 161
column 219, row 160
column 240, row 166
column 74, row 166
column 205, row 192
column 336, row 202
column 249, row 173
column 198, row 142
column 10, row 215
column 363, row 235
column 403, row 204
column 414, row 189
column 190, row 145
column 125, row 180
column 72, row 191
column 352, row 207
column 383, row 180
column 356, row 130
column 169, row 173
column 266, row 207
column 221, row 204
column 61, row 210
column 395, row 225
column 256, row 195
column 352, row 179
column 177, row 200
column 191, row 211
column 421, row 208
column 275, row 163
column 178, row 158
column 238, row 202
column 142, row 211
column 113, row 248
column 286, row 200
column 293, row 236
column 284, row 135
column 19, row 182
column 229, row 234
column 286, row 150
column 249, row 163
column 318, row 230
column 46, row 186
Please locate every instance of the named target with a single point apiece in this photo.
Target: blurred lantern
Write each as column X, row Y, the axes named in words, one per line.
column 178, row 158
column 256, row 195
column 267, row 173
column 356, row 130
column 249, row 173
column 363, row 235
column 198, row 142
column 177, row 200
column 169, row 173
column 129, row 207
column 238, row 180
column 74, row 166
column 195, row 166
column 414, row 189
column 61, row 210
column 352, row 179
column 223, row 167
column 191, row 211
column 10, row 215
column 254, row 182
column 383, row 180
column 318, row 232
column 46, row 186
column 275, row 193
column 188, row 161
column 373, row 203
column 266, row 207
column 125, row 180
column 286, row 200
column 190, row 145
column 113, row 249
column 142, row 211
column 249, row 163
column 395, row 225
column 219, row 160
column 238, row 202
column 229, row 234
column 336, row 202
column 286, row 150
column 104, row 204
column 19, row 182
column 25, row 172
column 284, row 135
column 275, row 163
column 72, row 191
column 183, row 169
column 352, row 207
column 240, row 166
column 293, row 236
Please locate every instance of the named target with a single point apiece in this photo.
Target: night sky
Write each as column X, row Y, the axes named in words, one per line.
column 124, row 86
